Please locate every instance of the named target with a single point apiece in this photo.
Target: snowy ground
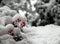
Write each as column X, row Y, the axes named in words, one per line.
column 49, row 34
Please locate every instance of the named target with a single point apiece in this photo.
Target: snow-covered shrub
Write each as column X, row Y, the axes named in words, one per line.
column 18, row 18
column 46, row 12
column 6, row 11
column 5, row 20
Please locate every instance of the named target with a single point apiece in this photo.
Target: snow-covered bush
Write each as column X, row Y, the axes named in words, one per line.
column 6, row 11
column 5, row 20
column 18, row 19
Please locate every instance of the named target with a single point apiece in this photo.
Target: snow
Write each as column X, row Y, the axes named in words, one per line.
column 4, row 29
column 43, row 35
column 6, row 11
column 49, row 34
column 5, row 20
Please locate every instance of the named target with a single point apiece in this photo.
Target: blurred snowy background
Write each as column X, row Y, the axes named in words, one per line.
column 29, row 21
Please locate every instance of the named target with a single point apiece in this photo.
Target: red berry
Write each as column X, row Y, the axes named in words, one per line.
column 18, row 20
column 10, row 31
column 23, row 24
